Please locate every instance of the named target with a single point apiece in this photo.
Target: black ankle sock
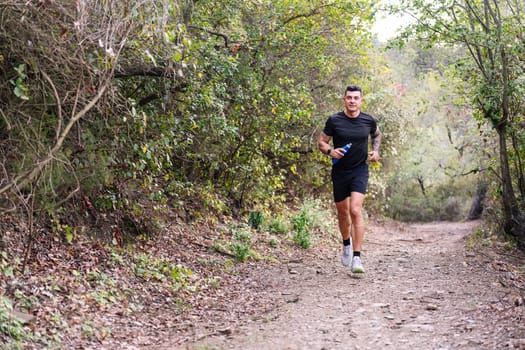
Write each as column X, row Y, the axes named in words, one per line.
column 357, row 253
column 346, row 242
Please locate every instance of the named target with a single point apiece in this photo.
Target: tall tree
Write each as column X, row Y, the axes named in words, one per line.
column 491, row 32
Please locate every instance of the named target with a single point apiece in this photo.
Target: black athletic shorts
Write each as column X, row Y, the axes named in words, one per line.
column 346, row 181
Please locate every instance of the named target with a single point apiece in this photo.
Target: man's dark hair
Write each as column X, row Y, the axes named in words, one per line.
column 353, row 88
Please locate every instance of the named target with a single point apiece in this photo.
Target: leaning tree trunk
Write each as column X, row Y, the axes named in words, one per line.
column 476, row 208
column 513, row 218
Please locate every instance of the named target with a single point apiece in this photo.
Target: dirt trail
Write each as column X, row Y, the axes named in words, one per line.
column 423, row 289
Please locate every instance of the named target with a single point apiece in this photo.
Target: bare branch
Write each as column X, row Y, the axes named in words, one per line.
column 223, row 36
column 151, row 71
column 59, row 104
column 6, row 119
column 27, row 177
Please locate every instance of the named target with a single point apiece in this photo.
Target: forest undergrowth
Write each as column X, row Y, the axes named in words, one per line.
column 186, row 283
column 70, row 289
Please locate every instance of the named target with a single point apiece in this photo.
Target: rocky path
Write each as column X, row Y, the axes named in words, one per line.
column 423, row 289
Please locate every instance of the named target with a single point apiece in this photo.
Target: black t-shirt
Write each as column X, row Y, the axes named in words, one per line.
column 344, row 130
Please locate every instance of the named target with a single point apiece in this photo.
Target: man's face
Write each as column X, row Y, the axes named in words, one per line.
column 353, row 101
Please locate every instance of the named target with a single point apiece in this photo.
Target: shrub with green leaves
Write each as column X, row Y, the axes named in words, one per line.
column 278, row 225
column 303, row 223
column 163, row 270
column 9, row 325
column 241, row 245
column 274, row 242
column 309, row 216
column 303, row 239
column 256, row 219
column 241, row 251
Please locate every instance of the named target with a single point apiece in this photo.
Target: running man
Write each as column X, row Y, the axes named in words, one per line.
column 350, row 169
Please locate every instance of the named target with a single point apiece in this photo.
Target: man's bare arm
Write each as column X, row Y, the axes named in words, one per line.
column 376, row 143
column 376, row 140
column 324, row 142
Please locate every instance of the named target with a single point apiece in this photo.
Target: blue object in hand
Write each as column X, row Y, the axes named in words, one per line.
column 345, row 149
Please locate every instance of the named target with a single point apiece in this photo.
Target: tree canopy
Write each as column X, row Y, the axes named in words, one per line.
column 490, row 63
column 212, row 104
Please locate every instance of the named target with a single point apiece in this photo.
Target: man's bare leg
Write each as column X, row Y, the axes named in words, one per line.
column 343, row 217
column 345, row 227
column 356, row 217
column 358, row 232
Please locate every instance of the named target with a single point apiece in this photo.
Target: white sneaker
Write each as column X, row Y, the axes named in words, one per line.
column 357, row 266
column 346, row 256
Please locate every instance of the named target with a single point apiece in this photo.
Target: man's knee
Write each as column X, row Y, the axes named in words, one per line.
column 356, row 211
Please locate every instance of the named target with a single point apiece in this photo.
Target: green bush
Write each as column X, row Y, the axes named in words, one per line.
column 303, row 223
column 241, row 246
column 243, row 236
column 302, row 239
column 274, row 242
column 278, row 225
column 256, row 220
column 241, row 251
column 9, row 326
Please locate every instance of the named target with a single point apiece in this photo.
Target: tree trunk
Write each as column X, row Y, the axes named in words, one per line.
column 519, row 165
column 421, row 185
column 513, row 218
column 477, row 204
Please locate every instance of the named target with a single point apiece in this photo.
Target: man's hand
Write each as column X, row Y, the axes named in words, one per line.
column 374, row 156
column 338, row 153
